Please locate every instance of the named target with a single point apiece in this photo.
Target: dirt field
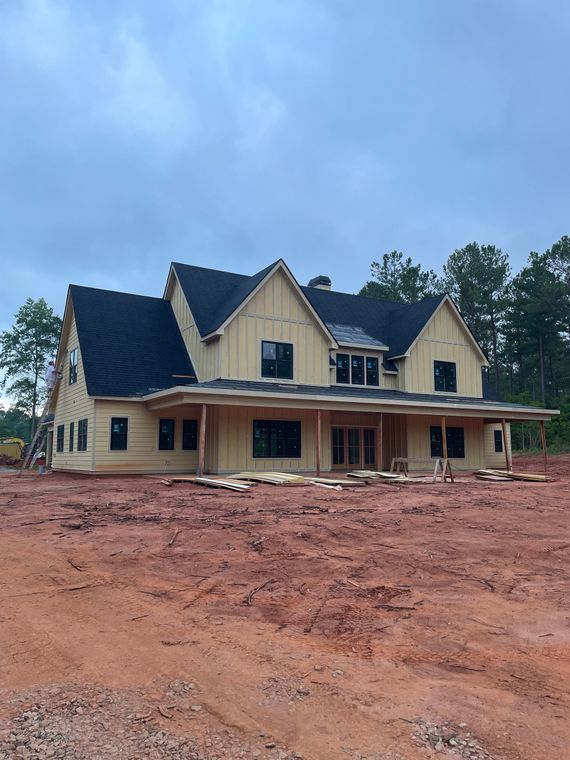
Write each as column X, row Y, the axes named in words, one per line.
column 387, row 622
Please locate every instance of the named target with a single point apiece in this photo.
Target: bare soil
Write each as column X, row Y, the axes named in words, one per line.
column 394, row 622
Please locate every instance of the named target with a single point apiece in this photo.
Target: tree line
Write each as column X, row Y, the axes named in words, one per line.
column 521, row 321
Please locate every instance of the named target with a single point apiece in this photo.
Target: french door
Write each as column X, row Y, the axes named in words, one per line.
column 353, row 448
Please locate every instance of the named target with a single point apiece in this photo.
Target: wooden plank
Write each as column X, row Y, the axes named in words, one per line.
column 543, row 443
column 508, row 462
column 318, row 442
column 213, row 483
column 202, row 442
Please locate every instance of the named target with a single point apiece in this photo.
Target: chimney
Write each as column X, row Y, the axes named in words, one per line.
column 322, row 282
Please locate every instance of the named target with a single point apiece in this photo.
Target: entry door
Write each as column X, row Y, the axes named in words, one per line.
column 354, row 448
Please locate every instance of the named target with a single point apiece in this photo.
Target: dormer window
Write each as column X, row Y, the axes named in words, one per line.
column 357, row 369
column 445, row 376
column 277, row 360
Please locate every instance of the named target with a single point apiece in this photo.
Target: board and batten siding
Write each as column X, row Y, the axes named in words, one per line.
column 205, row 356
column 275, row 313
column 496, row 459
column 73, row 404
column 419, row 441
column 444, row 339
column 142, row 454
column 235, row 440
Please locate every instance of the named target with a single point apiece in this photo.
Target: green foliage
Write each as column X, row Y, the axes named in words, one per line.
column 14, row 423
column 477, row 277
column 25, row 351
column 398, row 279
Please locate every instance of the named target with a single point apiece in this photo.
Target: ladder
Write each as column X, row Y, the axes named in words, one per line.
column 35, row 447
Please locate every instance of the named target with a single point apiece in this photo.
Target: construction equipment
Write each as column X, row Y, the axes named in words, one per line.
column 35, row 448
column 11, row 450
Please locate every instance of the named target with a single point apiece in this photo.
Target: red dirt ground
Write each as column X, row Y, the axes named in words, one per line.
column 330, row 623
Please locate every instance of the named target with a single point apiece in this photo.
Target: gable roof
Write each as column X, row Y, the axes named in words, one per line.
column 130, row 345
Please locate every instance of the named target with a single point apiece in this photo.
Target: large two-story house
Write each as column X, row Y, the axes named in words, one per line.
column 228, row 372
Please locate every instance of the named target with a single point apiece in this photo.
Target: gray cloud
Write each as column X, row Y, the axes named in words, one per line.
column 231, row 132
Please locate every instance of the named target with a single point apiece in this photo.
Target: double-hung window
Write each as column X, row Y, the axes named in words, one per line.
column 71, row 435
column 498, row 441
column 277, row 360
column 166, row 435
column 445, row 376
column 73, row 356
column 60, row 433
column 190, row 435
column 276, row 439
column 357, row 369
column 82, row 435
column 455, row 442
column 119, row 433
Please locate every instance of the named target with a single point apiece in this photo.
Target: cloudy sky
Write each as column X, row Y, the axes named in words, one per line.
column 229, row 133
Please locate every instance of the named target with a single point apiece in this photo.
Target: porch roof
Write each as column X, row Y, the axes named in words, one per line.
column 259, row 393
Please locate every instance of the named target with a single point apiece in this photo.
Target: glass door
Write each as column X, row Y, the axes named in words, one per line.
column 354, row 448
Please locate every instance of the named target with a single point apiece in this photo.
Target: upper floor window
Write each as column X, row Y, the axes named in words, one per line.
column 73, row 366
column 166, row 435
column 277, row 360
column 445, row 376
column 357, row 369
column 119, row 433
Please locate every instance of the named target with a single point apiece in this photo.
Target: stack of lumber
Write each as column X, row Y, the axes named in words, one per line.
column 375, row 475
column 506, row 475
column 273, row 478
column 228, row 483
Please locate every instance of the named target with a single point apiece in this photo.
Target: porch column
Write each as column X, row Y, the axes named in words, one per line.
column 318, row 442
column 379, row 452
column 543, row 443
column 506, row 446
column 201, row 442
column 443, row 438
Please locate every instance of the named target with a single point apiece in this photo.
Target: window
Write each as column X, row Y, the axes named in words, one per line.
column 277, row 360
column 166, row 435
column 276, row 438
column 357, row 370
column 455, row 442
column 338, row 445
column 59, row 438
column 498, row 441
column 73, row 366
column 342, row 368
column 71, row 435
column 190, row 435
column 369, row 447
column 444, row 375
column 82, row 435
column 371, row 370
column 119, row 433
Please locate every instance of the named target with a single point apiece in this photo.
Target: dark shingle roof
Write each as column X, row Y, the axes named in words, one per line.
column 373, row 394
column 213, row 295
column 130, row 345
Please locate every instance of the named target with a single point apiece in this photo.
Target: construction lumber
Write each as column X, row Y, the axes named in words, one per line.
column 215, row 483
column 510, row 475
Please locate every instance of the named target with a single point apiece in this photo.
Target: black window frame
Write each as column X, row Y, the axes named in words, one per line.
column 82, row 430
column 455, row 442
column 278, row 367
column 60, row 438
column 357, row 362
column 445, row 376
column 189, row 435
column 277, row 439
column 73, row 362
column 343, row 371
column 71, row 436
column 119, row 439
column 166, row 438
column 373, row 371
column 498, row 436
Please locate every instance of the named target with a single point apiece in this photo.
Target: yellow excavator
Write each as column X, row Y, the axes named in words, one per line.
column 12, row 448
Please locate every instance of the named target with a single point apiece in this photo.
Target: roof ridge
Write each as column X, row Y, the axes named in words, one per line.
column 115, row 292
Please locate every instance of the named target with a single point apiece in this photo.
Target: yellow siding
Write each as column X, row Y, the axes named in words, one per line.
column 391, row 381
column 495, row 459
column 419, row 444
column 277, row 313
column 235, row 451
column 205, row 357
column 143, row 454
column 444, row 339
column 73, row 404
